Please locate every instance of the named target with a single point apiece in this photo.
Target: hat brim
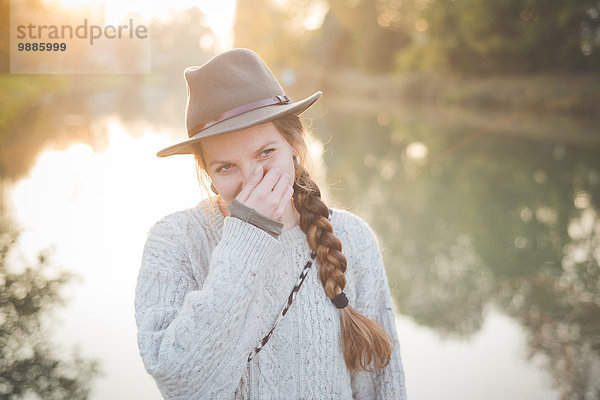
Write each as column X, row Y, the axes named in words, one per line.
column 242, row 121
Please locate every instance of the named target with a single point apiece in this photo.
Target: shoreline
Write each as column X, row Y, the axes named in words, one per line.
column 564, row 94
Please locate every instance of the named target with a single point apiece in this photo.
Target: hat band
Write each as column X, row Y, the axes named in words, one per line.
column 279, row 99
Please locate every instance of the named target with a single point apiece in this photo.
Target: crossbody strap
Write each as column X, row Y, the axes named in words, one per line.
column 285, row 309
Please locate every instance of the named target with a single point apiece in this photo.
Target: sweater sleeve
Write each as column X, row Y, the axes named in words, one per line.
column 245, row 213
column 195, row 337
column 374, row 301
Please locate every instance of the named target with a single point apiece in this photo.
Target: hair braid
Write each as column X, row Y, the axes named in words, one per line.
column 363, row 340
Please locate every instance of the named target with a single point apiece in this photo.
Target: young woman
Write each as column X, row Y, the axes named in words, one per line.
column 261, row 291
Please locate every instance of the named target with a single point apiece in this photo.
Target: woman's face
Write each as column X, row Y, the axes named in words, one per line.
column 231, row 158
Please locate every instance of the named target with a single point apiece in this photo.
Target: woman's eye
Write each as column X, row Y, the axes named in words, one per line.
column 224, row 168
column 267, row 152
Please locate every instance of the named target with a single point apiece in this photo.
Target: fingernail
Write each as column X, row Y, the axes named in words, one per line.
column 257, row 170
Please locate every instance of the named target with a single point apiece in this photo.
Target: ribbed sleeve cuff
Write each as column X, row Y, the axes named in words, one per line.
column 245, row 213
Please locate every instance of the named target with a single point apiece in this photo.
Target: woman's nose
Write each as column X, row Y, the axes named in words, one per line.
column 251, row 167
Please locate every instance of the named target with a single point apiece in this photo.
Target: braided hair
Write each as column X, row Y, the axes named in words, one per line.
column 363, row 340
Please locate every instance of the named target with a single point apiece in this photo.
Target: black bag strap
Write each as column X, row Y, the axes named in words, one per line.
column 285, row 309
column 289, row 302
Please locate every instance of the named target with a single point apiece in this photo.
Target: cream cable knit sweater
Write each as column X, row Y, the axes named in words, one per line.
column 210, row 288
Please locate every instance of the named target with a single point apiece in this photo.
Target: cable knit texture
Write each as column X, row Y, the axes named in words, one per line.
column 210, row 288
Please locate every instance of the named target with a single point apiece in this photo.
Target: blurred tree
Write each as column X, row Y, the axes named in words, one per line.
column 181, row 40
column 19, row 96
column 362, row 34
column 469, row 36
column 28, row 364
column 4, row 36
column 36, row 6
column 273, row 30
column 475, row 36
column 354, row 33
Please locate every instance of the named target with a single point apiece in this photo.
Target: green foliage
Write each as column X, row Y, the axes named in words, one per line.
column 476, row 36
column 28, row 364
column 360, row 34
column 275, row 31
column 19, row 93
column 466, row 36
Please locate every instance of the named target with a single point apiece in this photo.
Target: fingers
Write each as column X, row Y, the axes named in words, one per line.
column 269, row 181
column 270, row 195
column 283, row 183
column 285, row 200
column 282, row 193
column 247, row 189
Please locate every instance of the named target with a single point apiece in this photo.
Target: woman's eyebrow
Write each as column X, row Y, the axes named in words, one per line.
column 217, row 162
column 260, row 149
column 272, row 142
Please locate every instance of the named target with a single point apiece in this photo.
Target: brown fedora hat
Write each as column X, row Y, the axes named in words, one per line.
column 232, row 91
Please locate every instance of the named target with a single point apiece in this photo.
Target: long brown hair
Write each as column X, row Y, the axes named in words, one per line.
column 363, row 340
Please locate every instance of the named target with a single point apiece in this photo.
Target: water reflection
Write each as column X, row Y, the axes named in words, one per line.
column 29, row 363
column 473, row 220
column 95, row 209
column 65, row 113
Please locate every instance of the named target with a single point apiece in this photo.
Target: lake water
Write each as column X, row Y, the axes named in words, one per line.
column 488, row 223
